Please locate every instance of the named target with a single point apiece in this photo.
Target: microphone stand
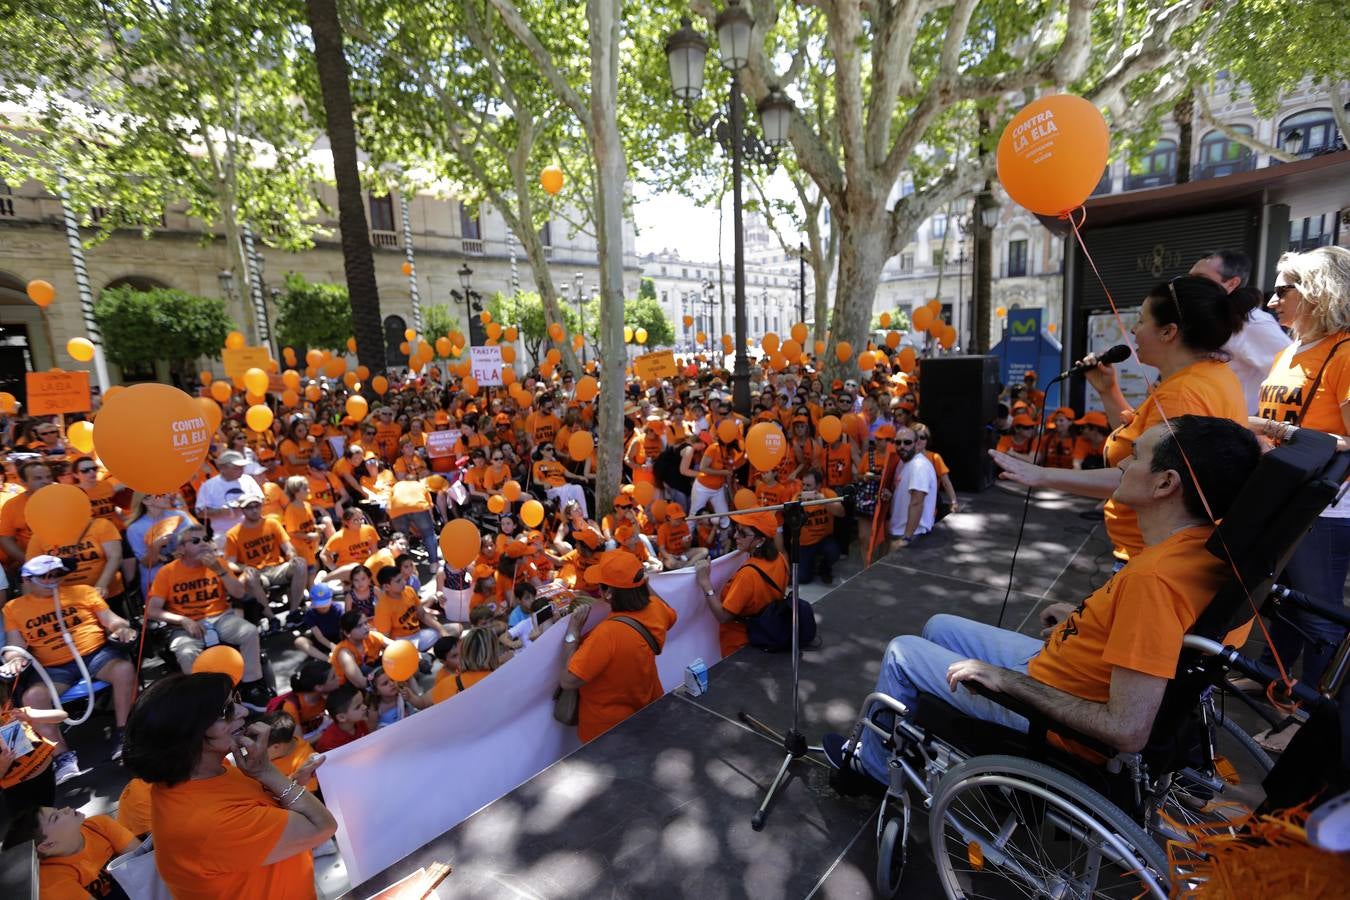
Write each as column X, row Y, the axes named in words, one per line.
column 793, row 741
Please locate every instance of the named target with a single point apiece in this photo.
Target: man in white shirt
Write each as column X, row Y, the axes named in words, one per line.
column 914, row 504
column 217, row 496
column 1252, row 350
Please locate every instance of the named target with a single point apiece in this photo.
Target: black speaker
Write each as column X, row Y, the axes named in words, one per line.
column 958, row 398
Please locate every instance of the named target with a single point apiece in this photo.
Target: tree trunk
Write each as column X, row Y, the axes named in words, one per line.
column 357, row 260
column 862, row 253
column 611, row 170
column 1184, row 114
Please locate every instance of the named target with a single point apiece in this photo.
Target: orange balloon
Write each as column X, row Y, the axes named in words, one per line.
column 41, row 292
column 496, row 503
column 80, row 435
column 659, row 509
column 556, row 332
column 254, row 399
column 510, row 334
column 867, row 361
column 791, row 349
column 407, row 269
column 312, row 393
column 580, row 445
column 221, row 390
column 830, row 428
column 508, row 354
column 843, row 351
column 405, row 348
column 234, row 341
column 578, row 341
column 1052, row 153
column 290, row 398
column 587, row 388
column 443, row 346
column 206, row 378
column 508, row 375
column 223, row 659
column 936, row 306
column 210, row 409
column 744, row 499
column 819, row 348
column 728, row 430
column 922, row 318
column 531, row 513
column 469, row 384
column 400, row 659
column 460, row 542
column 255, row 380
column 551, row 179
column 314, row 358
column 350, row 380
column 494, row 330
column 351, row 345
column 800, row 332
column 357, row 407
column 379, row 384
column 701, row 337
column 1001, row 311
column 769, row 343
column 644, row 492
column 884, row 320
column 907, row 358
column 288, row 354
column 485, row 317
column 258, row 417
column 80, row 349
column 1052, row 328
column 511, row 490
column 362, row 373
column 335, row 367
column 688, row 320
column 553, row 356
column 765, row 445
column 152, row 437
column 291, row 379
column 58, row 514
column 892, row 339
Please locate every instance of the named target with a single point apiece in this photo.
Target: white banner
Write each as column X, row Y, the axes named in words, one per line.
column 399, row 788
column 486, row 365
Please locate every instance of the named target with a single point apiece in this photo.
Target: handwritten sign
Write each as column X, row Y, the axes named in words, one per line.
column 655, row 366
column 237, row 362
column 441, row 444
column 50, row 393
column 486, row 366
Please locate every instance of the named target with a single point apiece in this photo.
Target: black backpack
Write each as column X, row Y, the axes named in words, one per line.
column 770, row 629
column 666, row 468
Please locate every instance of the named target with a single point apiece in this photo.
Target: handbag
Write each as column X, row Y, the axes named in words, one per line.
column 135, row 872
column 565, row 704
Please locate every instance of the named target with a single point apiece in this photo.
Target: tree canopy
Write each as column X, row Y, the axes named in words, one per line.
column 313, row 315
column 141, row 328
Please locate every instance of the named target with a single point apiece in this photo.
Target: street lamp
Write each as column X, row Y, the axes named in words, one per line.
column 686, row 52
column 581, row 313
column 473, row 304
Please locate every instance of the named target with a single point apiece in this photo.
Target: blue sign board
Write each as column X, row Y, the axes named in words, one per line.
column 1027, row 346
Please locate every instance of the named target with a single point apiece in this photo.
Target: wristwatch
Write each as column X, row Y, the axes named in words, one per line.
column 709, row 593
column 570, row 639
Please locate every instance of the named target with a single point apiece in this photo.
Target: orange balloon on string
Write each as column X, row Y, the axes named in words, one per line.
column 587, row 388
column 152, row 437
column 221, row 391
column 922, row 318
column 379, row 384
column 41, row 292
column 58, row 514
column 769, row 343
column 800, row 332
column 1051, row 154
column 829, row 428
column 531, row 513
column 744, row 499
column 765, row 445
column 728, row 430
column 843, row 351
column 400, row 658
column 460, row 542
column 496, row 503
column 580, row 445
column 511, row 490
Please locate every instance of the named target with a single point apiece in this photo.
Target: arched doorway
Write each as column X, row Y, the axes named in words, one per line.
column 394, row 328
column 25, row 342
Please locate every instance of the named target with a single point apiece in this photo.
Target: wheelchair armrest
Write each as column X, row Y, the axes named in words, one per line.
column 1039, row 724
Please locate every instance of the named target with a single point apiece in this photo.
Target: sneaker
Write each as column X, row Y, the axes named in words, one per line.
column 67, row 767
column 118, row 735
column 848, row 778
column 255, row 696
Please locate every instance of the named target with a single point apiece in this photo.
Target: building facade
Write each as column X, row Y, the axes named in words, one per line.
column 446, row 236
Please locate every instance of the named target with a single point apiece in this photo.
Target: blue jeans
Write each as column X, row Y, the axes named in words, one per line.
column 426, row 528
column 824, row 554
column 1318, row 569
column 916, row 664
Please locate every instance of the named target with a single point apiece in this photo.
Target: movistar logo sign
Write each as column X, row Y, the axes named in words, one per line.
column 1023, row 326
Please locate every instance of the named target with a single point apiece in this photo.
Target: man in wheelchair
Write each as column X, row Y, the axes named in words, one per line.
column 1103, row 669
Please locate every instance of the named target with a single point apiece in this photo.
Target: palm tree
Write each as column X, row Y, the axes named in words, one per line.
column 357, row 260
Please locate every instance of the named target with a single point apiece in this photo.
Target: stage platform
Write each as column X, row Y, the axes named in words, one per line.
column 661, row 805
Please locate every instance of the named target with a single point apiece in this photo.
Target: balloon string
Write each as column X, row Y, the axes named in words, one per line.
column 1076, row 225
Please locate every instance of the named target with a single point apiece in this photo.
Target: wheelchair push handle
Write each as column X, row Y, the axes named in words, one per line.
column 1254, row 669
column 1285, row 596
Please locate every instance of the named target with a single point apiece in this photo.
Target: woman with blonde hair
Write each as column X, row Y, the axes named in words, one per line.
column 477, row 660
column 1309, row 387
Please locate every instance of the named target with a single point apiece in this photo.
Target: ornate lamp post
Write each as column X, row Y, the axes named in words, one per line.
column 686, row 51
column 473, row 305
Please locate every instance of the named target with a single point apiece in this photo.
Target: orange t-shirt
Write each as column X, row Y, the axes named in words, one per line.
column 213, row 836
column 380, row 559
column 31, row 763
column 406, row 497
column 447, row 687
column 398, row 617
column 838, row 459
column 819, row 522
column 550, row 473
column 673, row 537
column 256, row 546
column 1059, row 451
column 365, row 655
column 288, row 763
column 542, row 428
column 1136, row 620
column 89, row 552
column 197, row 593
column 387, row 438
column 745, row 594
column 414, row 467
column 353, row 547
column 1283, row 392
column 84, row 873
column 103, row 504
column 1205, row 388
column 939, row 464
column 717, row 458
column 14, row 520
column 35, row 619
column 298, row 520
column 133, row 807
column 619, row 668
column 1006, row 444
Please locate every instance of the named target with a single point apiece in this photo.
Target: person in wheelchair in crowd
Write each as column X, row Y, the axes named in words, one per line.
column 1105, row 664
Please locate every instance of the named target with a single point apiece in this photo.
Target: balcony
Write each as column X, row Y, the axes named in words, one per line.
column 6, row 207
column 384, row 239
column 471, row 246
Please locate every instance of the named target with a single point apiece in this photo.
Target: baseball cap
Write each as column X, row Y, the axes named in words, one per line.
column 674, row 511
column 246, row 500
column 482, row 570
column 320, row 596
column 1029, row 373
column 836, row 385
column 884, row 432
column 588, row 537
column 502, row 419
column 1022, row 420
column 618, row 569
column 517, row 549
column 625, row 500
column 45, row 564
column 1094, row 417
column 763, row 522
column 231, row 458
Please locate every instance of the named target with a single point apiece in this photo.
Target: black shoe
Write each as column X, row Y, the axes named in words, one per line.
column 845, row 777
column 827, row 578
column 255, row 696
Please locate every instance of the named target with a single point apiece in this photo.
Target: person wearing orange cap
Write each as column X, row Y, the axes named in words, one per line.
column 760, row 581
column 1021, row 444
column 1057, row 446
column 674, row 542
column 614, row 668
column 1088, row 447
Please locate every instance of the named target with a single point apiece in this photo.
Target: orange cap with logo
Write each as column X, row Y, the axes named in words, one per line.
column 618, row 569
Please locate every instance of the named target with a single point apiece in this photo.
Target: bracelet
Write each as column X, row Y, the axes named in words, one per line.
column 281, row 798
column 296, row 799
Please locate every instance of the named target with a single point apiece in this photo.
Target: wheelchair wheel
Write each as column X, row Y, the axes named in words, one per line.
column 1238, row 768
column 891, row 850
column 1000, row 819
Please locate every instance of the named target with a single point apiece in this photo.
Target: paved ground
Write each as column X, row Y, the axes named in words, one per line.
column 661, row 805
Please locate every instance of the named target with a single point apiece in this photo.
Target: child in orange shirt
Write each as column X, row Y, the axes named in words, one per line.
column 73, row 852
column 287, row 750
column 674, row 543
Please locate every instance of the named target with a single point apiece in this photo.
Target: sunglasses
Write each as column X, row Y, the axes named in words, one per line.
column 86, row 470
column 227, row 711
column 546, row 449
column 47, row 432
column 497, row 458
column 903, row 443
column 1282, row 289
column 193, row 540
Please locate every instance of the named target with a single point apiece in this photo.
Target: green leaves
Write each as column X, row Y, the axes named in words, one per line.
column 141, row 328
column 313, row 315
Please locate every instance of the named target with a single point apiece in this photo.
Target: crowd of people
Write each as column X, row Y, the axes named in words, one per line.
column 320, row 533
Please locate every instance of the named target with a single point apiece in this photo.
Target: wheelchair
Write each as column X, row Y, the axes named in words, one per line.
column 1033, row 815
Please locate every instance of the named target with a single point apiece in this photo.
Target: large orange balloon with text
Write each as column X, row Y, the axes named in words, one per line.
column 152, row 437
column 1052, row 154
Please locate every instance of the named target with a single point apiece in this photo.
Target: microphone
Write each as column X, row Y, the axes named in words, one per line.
column 1118, row 353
